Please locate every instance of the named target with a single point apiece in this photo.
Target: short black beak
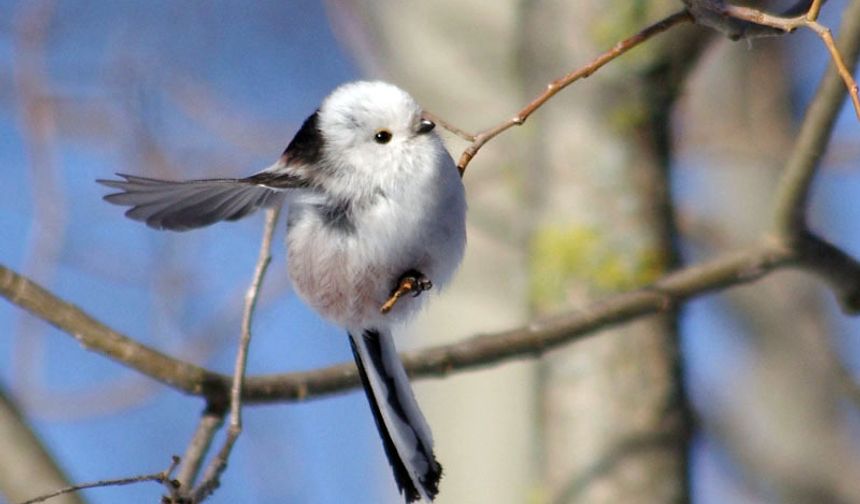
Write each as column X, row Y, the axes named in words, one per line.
column 426, row 126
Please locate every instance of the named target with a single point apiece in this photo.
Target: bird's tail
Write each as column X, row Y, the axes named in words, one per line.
column 405, row 434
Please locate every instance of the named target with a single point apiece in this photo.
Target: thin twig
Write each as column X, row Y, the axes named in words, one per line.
column 557, row 85
column 814, row 9
column 201, row 441
column 847, row 77
column 162, row 477
column 219, row 463
column 792, row 195
column 450, row 127
column 807, row 20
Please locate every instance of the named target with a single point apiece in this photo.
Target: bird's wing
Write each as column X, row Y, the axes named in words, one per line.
column 183, row 205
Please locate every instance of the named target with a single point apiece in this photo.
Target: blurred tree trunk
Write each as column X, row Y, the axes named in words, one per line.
column 27, row 470
column 614, row 415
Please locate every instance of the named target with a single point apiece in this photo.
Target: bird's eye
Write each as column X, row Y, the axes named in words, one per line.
column 382, row 136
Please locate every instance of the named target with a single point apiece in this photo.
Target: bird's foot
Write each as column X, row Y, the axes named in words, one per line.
column 412, row 281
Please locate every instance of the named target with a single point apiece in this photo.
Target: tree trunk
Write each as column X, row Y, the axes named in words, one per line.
column 614, row 416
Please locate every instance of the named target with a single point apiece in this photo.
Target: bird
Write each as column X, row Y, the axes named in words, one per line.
column 374, row 203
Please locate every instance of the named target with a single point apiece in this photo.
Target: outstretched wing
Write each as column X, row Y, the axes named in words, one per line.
column 183, row 205
column 189, row 204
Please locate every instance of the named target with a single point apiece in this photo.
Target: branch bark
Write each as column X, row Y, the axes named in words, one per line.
column 212, row 475
column 559, row 84
column 478, row 351
column 792, row 196
column 162, row 477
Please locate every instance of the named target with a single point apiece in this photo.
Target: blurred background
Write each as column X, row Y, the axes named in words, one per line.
column 666, row 157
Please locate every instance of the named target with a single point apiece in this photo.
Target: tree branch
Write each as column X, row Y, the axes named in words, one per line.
column 808, row 20
column 478, row 351
column 93, row 335
column 793, row 192
column 557, row 85
column 209, row 424
column 162, row 477
column 212, row 476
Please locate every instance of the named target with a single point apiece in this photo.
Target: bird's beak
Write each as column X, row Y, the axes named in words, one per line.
column 425, row 126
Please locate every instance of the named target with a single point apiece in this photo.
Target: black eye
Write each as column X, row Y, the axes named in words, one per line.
column 382, row 136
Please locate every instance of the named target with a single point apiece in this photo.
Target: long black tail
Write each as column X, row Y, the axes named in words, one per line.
column 405, row 434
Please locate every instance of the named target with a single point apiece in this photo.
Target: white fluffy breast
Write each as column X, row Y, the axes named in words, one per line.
column 417, row 221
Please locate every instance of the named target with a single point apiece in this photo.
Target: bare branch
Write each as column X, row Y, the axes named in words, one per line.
column 790, row 207
column 834, row 266
column 541, row 335
column 219, row 463
column 814, row 9
column 557, row 85
column 210, row 422
column 450, row 127
column 162, row 477
column 809, row 21
column 478, row 351
column 94, row 335
column 793, row 193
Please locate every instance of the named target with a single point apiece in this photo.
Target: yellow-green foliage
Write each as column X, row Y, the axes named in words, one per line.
column 564, row 258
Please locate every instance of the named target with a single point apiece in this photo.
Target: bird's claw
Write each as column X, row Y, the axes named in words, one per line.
column 412, row 281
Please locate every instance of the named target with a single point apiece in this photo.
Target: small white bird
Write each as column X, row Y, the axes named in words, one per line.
column 374, row 199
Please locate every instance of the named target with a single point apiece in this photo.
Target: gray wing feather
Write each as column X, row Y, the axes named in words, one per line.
column 183, row 205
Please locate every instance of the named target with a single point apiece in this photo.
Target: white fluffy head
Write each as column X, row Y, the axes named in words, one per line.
column 365, row 106
column 355, row 121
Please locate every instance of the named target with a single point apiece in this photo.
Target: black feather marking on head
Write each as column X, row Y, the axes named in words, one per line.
column 306, row 147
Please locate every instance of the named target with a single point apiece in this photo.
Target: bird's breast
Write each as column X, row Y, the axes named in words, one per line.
column 343, row 265
column 345, row 259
